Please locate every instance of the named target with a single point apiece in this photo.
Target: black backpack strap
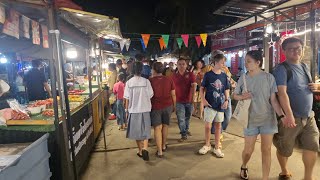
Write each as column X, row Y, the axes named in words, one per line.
column 306, row 71
column 288, row 69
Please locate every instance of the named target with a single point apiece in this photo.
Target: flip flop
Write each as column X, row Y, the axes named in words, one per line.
column 140, row 156
column 245, row 173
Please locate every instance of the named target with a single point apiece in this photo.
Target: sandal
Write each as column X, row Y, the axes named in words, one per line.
column 284, row 176
column 140, row 156
column 244, row 173
column 145, row 155
column 158, row 155
column 164, row 150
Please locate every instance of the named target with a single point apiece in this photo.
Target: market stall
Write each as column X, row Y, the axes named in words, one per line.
column 72, row 107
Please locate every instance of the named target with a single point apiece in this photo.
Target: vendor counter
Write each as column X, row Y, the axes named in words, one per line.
column 87, row 120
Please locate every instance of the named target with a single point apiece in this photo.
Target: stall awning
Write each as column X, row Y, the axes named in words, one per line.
column 266, row 14
column 96, row 24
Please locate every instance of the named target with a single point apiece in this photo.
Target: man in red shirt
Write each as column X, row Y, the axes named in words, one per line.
column 163, row 103
column 185, row 84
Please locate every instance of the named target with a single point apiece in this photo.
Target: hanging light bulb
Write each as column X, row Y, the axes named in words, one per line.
column 269, row 29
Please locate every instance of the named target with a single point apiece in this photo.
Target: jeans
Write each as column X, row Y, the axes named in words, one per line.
column 227, row 117
column 120, row 112
column 183, row 111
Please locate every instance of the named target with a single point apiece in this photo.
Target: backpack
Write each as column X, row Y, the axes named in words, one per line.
column 289, row 70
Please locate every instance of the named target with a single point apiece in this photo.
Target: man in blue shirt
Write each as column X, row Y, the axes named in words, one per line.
column 296, row 98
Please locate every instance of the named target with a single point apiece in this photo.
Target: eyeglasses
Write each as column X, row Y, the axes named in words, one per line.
column 297, row 49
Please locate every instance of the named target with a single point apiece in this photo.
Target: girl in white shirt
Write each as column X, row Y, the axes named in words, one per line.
column 138, row 93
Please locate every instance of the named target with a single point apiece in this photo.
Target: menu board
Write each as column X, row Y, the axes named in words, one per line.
column 35, row 33
column 11, row 24
column 45, row 36
column 2, row 14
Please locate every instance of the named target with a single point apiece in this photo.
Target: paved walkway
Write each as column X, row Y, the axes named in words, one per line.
column 181, row 161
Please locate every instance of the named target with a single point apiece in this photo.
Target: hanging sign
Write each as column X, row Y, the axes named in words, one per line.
column 2, row 14
column 11, row 24
column 45, row 36
column 185, row 38
column 179, row 41
column 35, row 33
column 198, row 39
column 165, row 38
column 26, row 27
column 145, row 38
column 204, row 39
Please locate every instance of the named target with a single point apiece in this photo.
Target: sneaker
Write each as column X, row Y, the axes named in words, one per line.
column 189, row 133
column 218, row 153
column 183, row 138
column 204, row 150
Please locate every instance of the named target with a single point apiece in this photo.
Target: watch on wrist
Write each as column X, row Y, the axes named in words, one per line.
column 280, row 117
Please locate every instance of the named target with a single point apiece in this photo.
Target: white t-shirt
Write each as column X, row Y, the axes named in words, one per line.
column 139, row 92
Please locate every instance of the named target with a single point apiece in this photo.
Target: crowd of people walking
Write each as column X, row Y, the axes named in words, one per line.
column 280, row 110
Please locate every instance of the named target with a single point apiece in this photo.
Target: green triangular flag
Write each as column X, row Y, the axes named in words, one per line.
column 165, row 39
column 179, row 41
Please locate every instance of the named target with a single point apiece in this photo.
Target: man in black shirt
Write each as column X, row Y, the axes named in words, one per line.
column 120, row 69
column 36, row 82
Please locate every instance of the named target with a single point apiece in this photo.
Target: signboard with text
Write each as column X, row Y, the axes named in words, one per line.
column 82, row 131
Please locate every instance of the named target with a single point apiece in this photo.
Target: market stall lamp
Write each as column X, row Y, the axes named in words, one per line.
column 3, row 60
column 72, row 53
column 269, row 29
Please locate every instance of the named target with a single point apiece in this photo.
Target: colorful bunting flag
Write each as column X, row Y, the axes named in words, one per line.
column 198, row 39
column 161, row 43
column 128, row 42
column 185, row 38
column 165, row 39
column 145, row 38
column 122, row 42
column 204, row 38
column 179, row 41
column 143, row 47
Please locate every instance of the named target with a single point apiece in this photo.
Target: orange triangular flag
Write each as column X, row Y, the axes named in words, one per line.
column 161, row 43
column 145, row 38
column 204, row 38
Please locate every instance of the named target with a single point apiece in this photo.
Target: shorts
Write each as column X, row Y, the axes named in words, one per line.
column 211, row 115
column 306, row 134
column 161, row 116
column 197, row 97
column 253, row 131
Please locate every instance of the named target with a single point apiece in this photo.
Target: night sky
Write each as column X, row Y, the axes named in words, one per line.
column 165, row 16
column 162, row 17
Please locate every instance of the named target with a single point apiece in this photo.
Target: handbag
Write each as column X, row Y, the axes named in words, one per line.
column 241, row 112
